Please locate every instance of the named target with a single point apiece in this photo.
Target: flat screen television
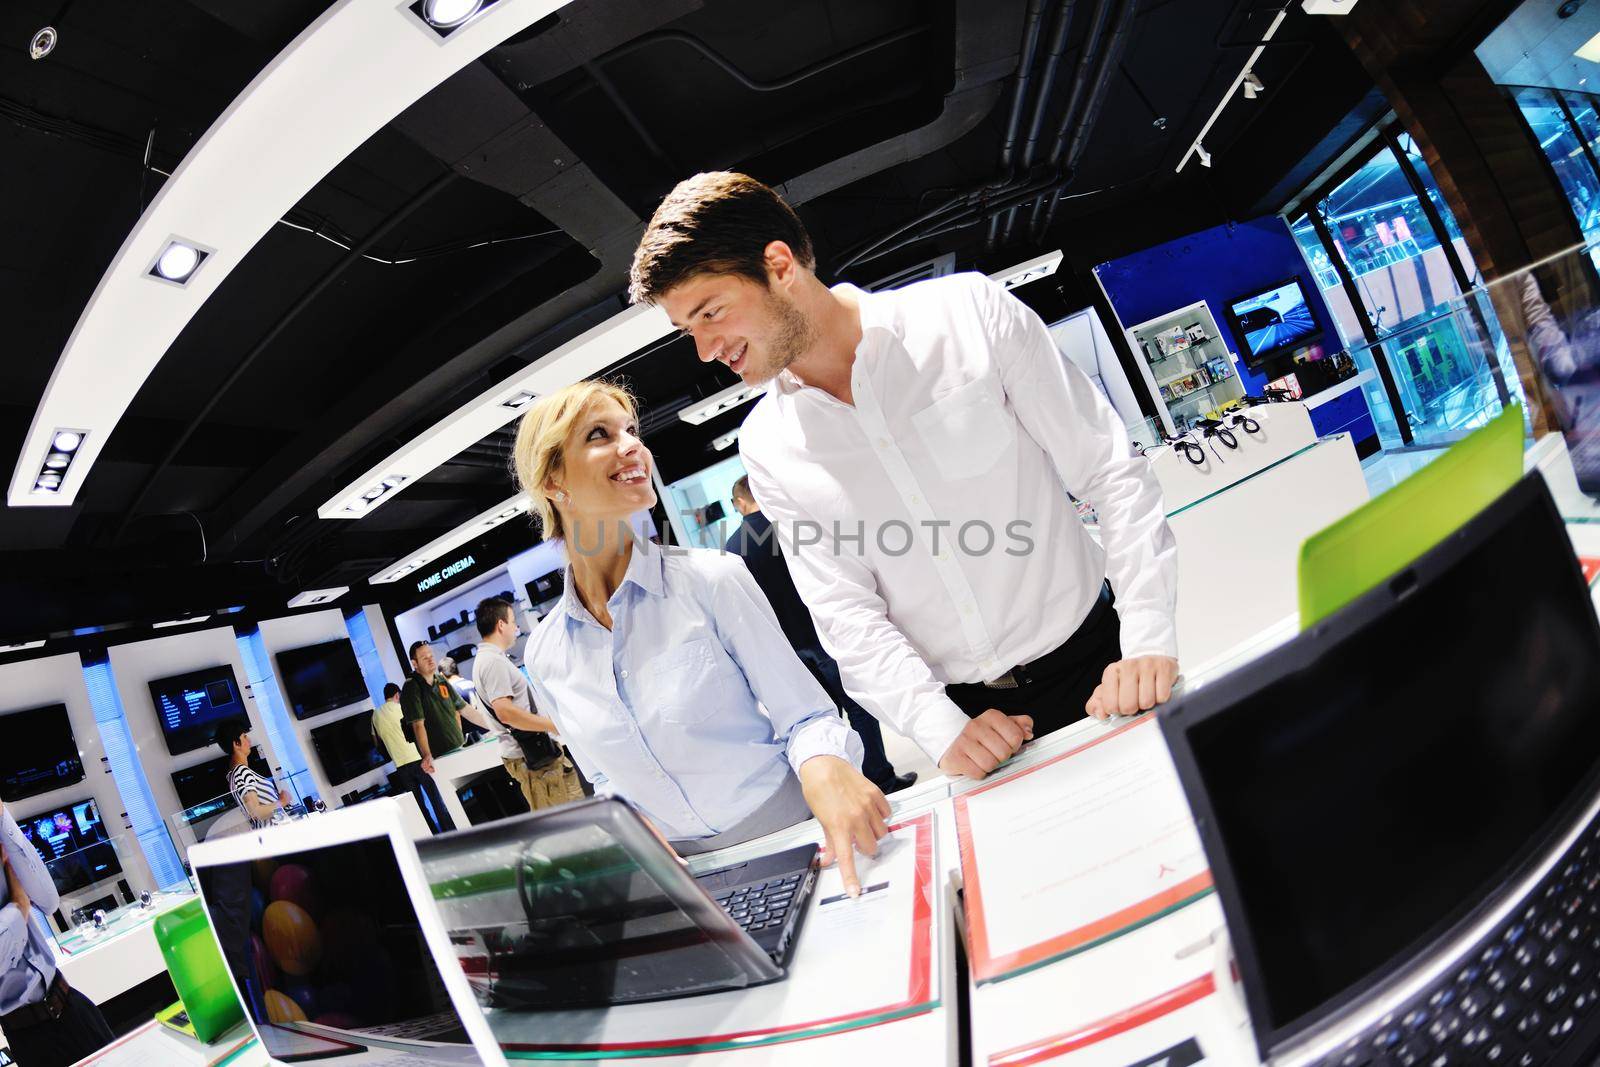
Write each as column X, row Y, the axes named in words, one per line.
column 74, row 845
column 322, row 677
column 346, row 747
column 190, row 706
column 1273, row 321
column 38, row 752
column 209, row 780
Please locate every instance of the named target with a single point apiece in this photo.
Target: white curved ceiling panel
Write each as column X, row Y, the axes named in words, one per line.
column 347, row 76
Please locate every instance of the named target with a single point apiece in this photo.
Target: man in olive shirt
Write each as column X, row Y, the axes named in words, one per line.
column 430, row 700
column 411, row 771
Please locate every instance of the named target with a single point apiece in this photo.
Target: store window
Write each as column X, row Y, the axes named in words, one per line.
column 1564, row 148
column 1387, row 229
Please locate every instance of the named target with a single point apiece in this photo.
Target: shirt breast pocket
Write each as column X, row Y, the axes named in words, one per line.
column 687, row 682
column 967, row 430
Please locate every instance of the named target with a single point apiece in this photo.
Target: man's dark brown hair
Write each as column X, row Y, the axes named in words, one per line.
column 714, row 223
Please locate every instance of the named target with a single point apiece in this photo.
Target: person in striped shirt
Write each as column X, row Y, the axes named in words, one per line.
column 261, row 801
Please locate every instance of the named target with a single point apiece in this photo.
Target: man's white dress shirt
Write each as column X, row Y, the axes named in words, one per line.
column 927, row 526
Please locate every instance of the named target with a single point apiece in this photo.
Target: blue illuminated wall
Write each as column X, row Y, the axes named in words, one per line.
column 1217, row 266
column 366, row 649
column 128, row 772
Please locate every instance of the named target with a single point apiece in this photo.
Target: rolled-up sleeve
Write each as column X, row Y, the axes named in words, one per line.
column 803, row 716
column 1090, row 449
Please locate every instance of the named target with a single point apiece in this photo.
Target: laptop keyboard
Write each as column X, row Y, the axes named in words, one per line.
column 760, row 905
column 1518, row 996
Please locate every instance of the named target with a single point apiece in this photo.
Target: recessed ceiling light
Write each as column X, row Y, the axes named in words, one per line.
column 50, row 480
column 57, row 460
column 67, row 440
column 518, row 401
column 448, row 14
column 178, row 262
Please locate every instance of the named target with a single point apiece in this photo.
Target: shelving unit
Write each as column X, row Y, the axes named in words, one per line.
column 1186, row 365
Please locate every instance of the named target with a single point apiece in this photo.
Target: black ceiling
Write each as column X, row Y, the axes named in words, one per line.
column 493, row 221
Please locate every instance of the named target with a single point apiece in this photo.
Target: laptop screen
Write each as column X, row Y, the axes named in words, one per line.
column 327, row 951
column 1375, row 780
column 579, row 906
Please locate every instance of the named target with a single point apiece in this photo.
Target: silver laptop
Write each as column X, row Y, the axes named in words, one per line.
column 334, row 946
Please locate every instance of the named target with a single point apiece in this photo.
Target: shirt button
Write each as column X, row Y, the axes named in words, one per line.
column 916, row 499
column 967, row 611
column 883, row 442
column 624, row 674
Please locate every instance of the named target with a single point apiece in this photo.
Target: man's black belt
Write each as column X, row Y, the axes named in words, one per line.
column 1064, row 656
column 48, row 1010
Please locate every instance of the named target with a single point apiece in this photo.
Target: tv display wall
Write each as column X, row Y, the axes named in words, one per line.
column 74, row 845
column 38, row 753
column 321, row 677
column 346, row 747
column 191, row 706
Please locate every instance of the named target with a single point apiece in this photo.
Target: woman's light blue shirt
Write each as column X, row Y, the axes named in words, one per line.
column 694, row 706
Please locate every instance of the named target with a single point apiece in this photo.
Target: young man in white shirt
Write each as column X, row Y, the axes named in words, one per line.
column 916, row 448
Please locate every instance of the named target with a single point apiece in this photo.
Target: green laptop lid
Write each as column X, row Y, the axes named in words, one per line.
column 198, row 974
column 1385, row 535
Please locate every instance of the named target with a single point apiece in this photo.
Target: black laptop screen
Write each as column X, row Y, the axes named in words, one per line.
column 1395, row 770
column 326, row 948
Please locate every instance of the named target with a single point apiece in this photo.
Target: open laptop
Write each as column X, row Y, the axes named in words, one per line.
column 583, row 905
column 1399, row 808
column 334, row 947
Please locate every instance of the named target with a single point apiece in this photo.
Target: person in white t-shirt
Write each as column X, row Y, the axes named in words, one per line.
column 915, row 448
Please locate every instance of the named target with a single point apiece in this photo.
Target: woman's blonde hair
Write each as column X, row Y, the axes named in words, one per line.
column 542, row 438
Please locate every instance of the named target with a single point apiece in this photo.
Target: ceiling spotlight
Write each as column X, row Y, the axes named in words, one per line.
column 43, row 43
column 57, row 461
column 50, row 481
column 67, row 440
column 518, row 401
column 726, row 440
column 372, row 494
column 1252, row 86
column 1202, row 155
column 448, row 14
column 178, row 262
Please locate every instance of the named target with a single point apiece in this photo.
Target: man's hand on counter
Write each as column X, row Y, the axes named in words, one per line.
column 1130, row 686
column 852, row 811
column 986, row 742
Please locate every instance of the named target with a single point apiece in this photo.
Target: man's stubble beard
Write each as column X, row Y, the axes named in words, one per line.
column 792, row 336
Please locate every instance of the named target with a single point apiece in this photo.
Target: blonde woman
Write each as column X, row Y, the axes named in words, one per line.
column 653, row 663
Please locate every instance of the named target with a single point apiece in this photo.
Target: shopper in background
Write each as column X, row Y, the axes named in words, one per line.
column 540, row 768
column 432, row 706
column 411, row 771
column 47, row 1023
column 754, row 542
column 656, row 664
column 928, row 436
column 261, row 800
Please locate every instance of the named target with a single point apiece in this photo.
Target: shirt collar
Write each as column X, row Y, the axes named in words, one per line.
column 644, row 571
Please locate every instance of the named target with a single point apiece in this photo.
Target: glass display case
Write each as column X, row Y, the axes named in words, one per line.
column 103, row 887
column 1186, row 365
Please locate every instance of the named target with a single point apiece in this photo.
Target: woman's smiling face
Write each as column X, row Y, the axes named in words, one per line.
column 605, row 467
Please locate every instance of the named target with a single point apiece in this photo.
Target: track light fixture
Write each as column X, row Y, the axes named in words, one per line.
column 1252, row 86
column 43, row 43
column 1202, row 155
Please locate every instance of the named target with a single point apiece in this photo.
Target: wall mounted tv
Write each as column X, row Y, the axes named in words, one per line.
column 38, row 752
column 209, row 780
column 321, row 678
column 347, row 748
column 190, row 706
column 74, row 845
column 1273, row 320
